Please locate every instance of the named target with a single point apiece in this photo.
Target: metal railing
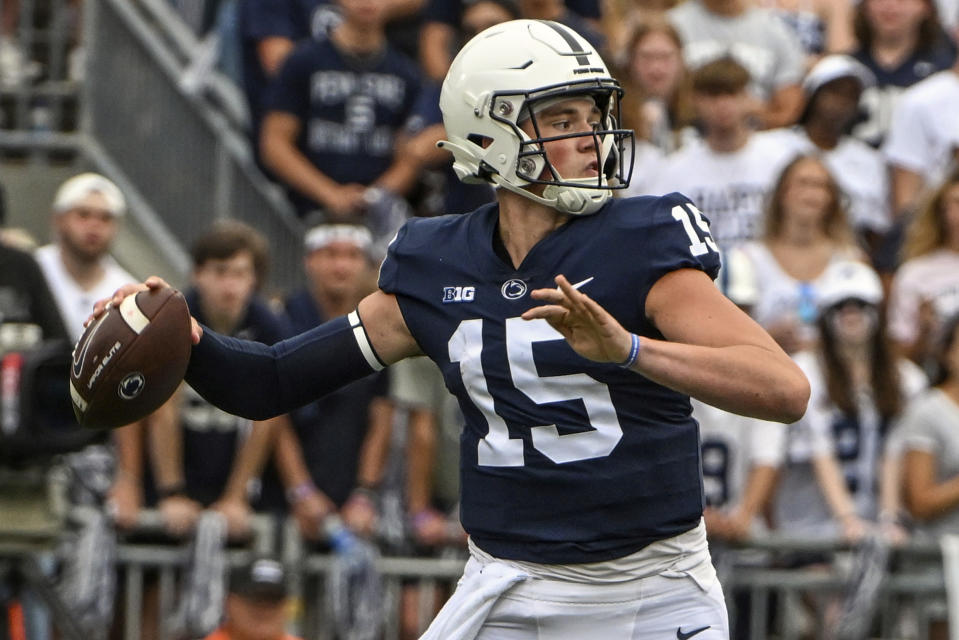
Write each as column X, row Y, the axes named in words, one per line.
column 911, row 594
column 180, row 146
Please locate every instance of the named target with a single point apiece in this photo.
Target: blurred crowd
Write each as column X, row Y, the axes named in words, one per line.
column 818, row 137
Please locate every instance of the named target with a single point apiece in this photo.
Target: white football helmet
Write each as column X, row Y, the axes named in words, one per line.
column 498, row 79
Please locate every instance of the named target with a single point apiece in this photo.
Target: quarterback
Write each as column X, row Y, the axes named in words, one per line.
column 573, row 328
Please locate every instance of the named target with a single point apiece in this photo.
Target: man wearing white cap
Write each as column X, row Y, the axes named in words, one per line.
column 79, row 270
column 77, row 265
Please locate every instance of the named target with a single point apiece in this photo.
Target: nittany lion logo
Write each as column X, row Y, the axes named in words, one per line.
column 131, row 385
column 513, row 289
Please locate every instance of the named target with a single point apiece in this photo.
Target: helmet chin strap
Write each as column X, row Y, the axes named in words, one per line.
column 571, row 200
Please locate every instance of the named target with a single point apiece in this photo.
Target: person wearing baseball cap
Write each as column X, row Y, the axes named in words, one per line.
column 831, row 107
column 256, row 605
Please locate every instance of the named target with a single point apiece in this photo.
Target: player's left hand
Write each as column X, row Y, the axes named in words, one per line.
column 588, row 328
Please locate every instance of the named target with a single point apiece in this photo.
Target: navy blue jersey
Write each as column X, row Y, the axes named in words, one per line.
column 563, row 459
column 878, row 101
column 261, row 19
column 350, row 109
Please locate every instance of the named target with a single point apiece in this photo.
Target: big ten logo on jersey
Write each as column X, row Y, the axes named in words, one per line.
column 197, row 414
column 716, row 464
column 458, row 294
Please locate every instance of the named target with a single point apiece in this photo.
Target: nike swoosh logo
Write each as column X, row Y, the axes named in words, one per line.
column 689, row 634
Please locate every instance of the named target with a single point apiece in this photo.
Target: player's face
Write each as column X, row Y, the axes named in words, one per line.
column 807, row 194
column 657, row 65
column 87, row 230
column 950, row 216
column 571, row 157
column 226, row 286
column 337, row 269
column 255, row 619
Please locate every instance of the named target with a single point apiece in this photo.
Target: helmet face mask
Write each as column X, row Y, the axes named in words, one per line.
column 499, row 82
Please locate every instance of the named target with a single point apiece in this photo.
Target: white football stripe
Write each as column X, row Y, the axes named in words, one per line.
column 132, row 315
column 77, row 399
column 363, row 342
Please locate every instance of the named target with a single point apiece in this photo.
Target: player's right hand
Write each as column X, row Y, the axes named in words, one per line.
column 153, row 282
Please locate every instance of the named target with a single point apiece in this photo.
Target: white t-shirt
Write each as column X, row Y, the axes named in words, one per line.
column 76, row 304
column 646, row 163
column 757, row 280
column 925, row 127
column 756, row 38
column 935, row 277
column 729, row 188
column 858, row 169
column 858, row 445
column 929, row 424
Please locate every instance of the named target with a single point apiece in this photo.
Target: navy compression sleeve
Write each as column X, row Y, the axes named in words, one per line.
column 255, row 381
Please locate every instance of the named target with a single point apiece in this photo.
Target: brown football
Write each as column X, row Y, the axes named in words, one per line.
column 131, row 360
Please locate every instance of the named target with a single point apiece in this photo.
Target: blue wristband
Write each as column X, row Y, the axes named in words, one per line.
column 633, row 353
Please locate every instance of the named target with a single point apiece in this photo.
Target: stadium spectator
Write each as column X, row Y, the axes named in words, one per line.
column 923, row 138
column 257, row 603
column 731, row 169
column 777, row 277
column 268, row 32
column 657, row 103
column 203, row 457
column 755, row 38
column 339, row 106
column 925, row 288
column 841, row 476
column 832, row 90
column 78, row 268
column 931, row 443
column 901, row 42
column 931, row 457
column 333, row 456
column 836, row 452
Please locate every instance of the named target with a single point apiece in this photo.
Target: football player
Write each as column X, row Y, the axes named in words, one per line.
column 573, row 328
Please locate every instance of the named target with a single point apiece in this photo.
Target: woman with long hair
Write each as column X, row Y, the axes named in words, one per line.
column 835, row 453
column 925, row 289
column 777, row 277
